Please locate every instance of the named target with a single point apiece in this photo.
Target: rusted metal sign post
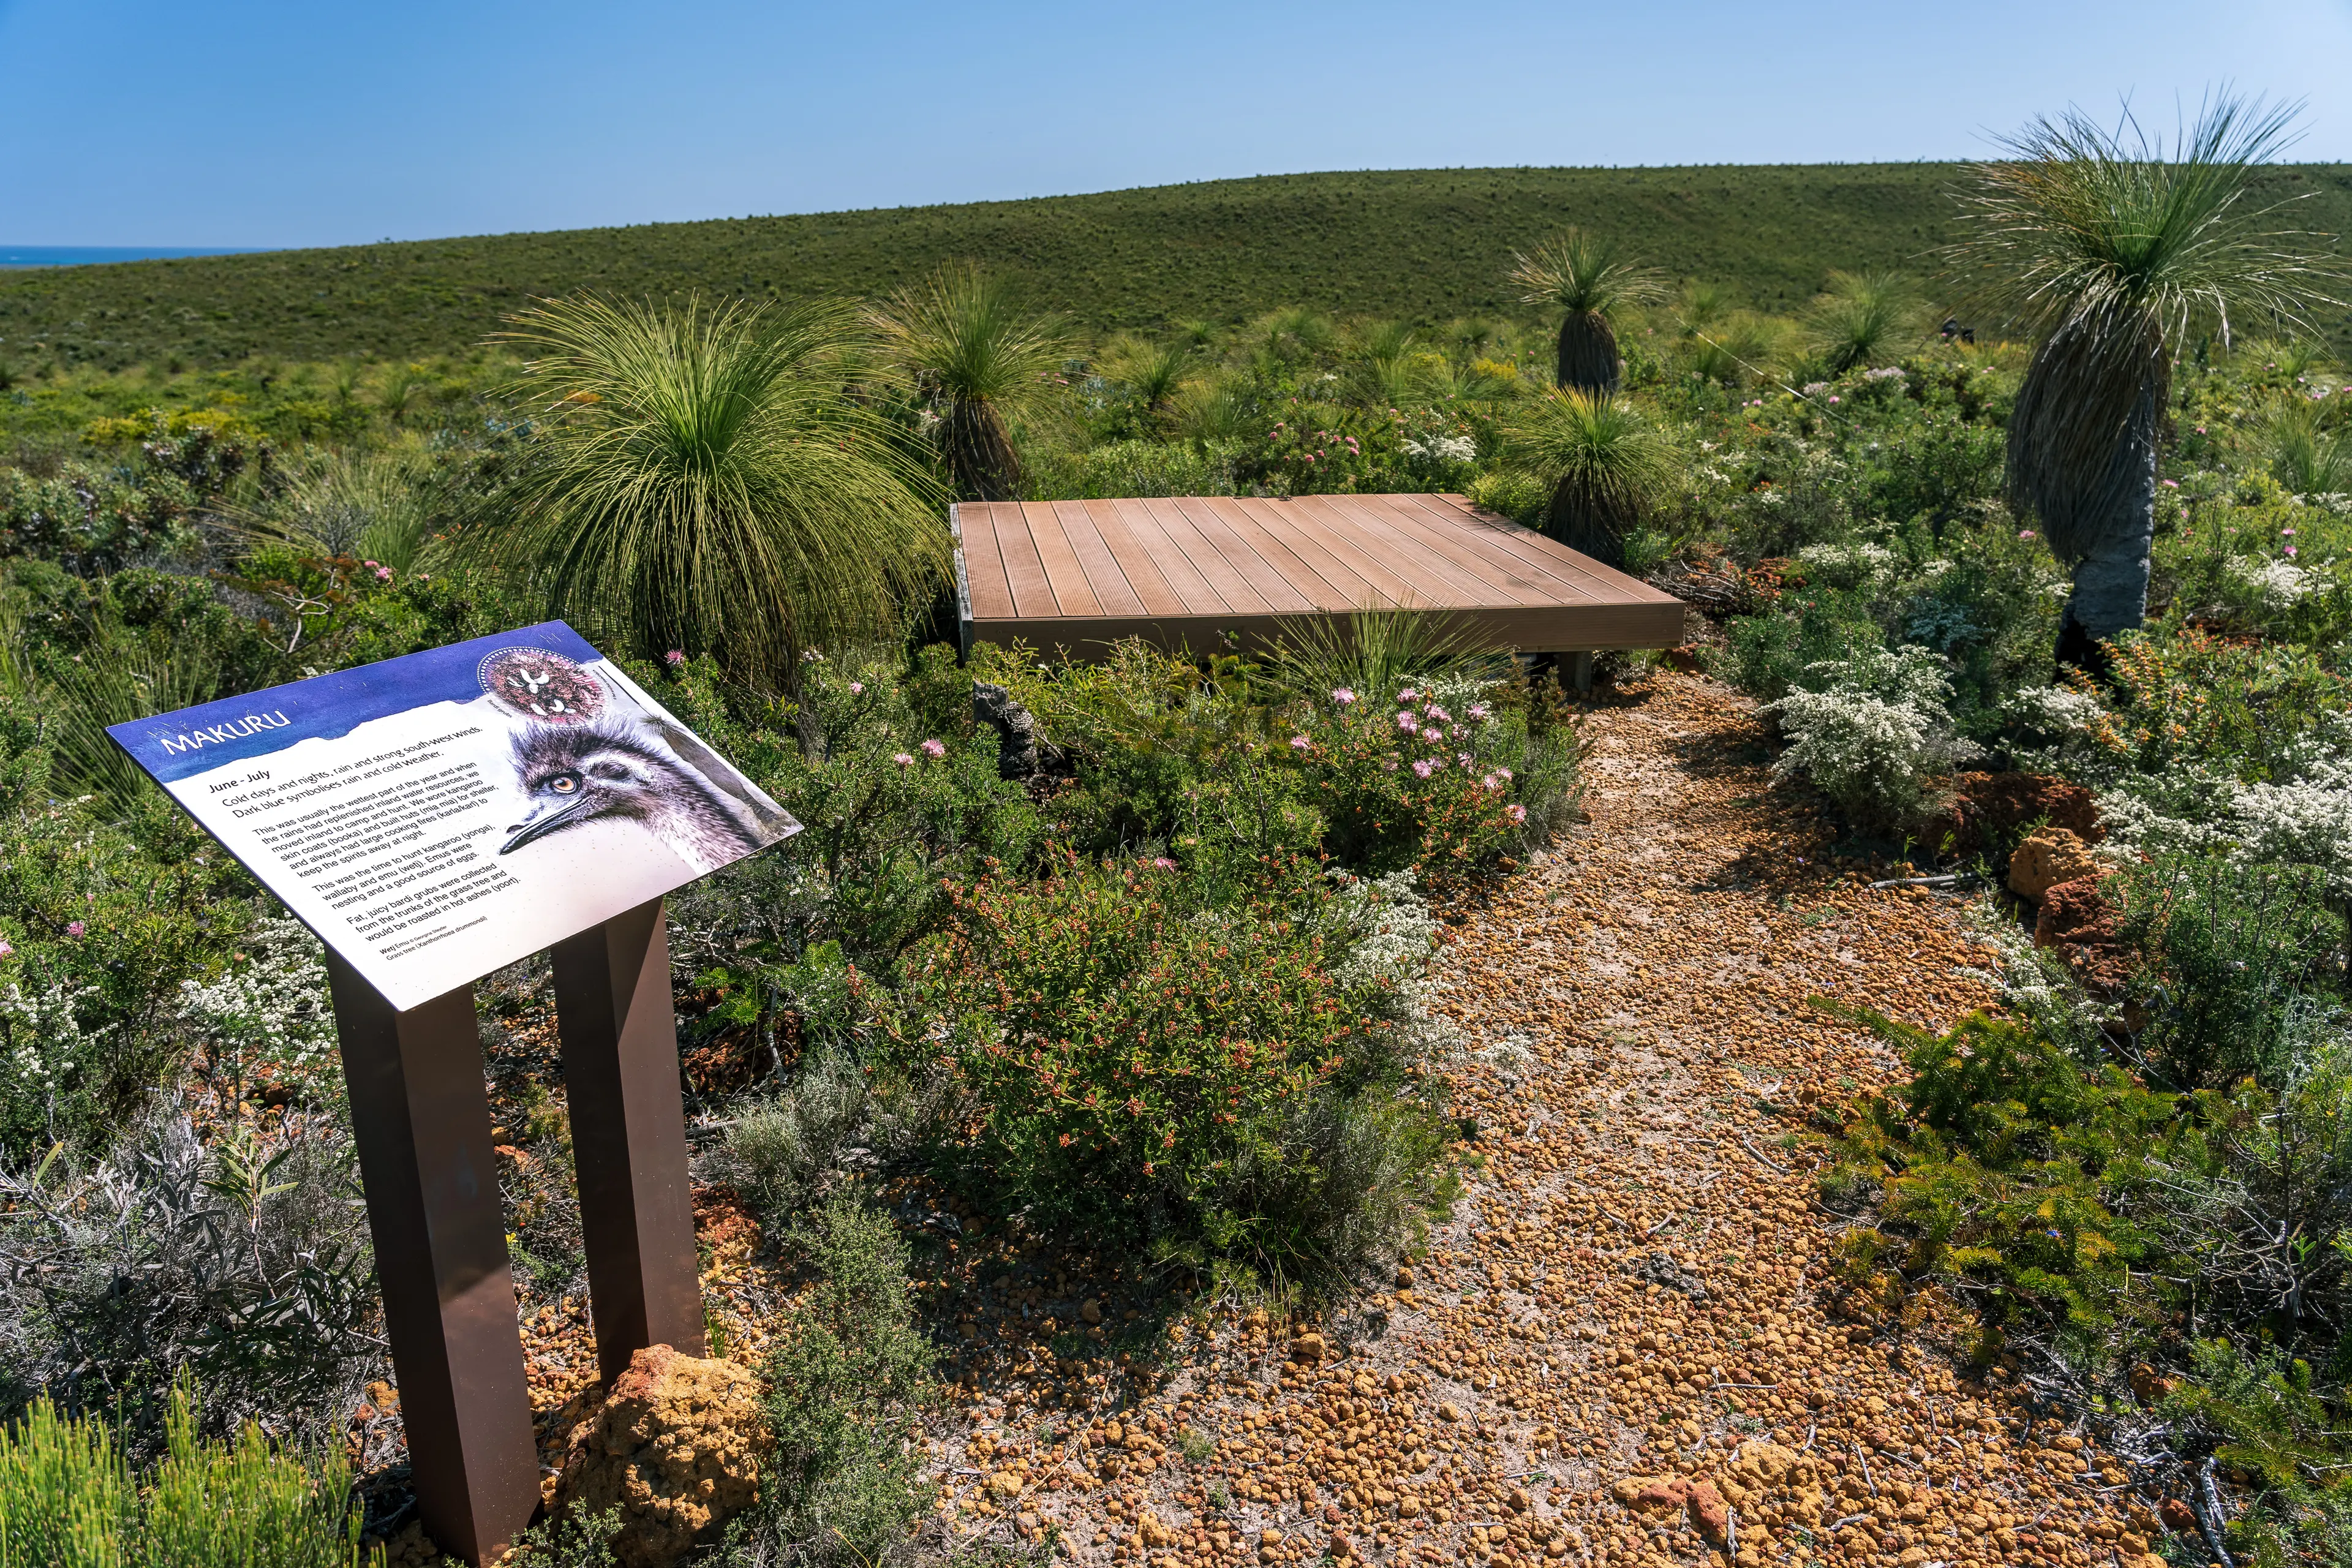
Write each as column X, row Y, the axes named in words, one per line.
column 421, row 1115
column 434, row 818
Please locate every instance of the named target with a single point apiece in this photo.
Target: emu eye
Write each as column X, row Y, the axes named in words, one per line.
column 565, row 784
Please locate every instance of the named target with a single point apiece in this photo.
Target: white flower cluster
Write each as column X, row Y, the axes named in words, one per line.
column 1442, row 448
column 46, row 1040
column 1859, row 566
column 2297, row 824
column 2303, row 822
column 275, row 1003
column 2273, row 586
column 1873, row 738
column 1390, row 935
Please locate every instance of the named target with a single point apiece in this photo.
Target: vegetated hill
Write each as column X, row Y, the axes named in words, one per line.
column 1415, row 244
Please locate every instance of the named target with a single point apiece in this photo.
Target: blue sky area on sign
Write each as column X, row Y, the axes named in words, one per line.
column 326, row 706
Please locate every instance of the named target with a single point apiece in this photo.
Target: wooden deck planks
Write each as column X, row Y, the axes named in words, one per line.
column 1185, row 570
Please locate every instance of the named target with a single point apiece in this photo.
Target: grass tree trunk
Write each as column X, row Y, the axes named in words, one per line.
column 1588, row 524
column 983, row 463
column 2110, row 590
column 1588, row 353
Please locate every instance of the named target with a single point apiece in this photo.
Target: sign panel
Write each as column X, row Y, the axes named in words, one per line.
column 435, row 817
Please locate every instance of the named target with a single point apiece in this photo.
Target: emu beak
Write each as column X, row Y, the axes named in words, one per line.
column 543, row 821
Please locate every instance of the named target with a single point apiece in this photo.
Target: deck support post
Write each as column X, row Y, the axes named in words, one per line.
column 619, row 1029
column 421, row 1121
column 1579, row 670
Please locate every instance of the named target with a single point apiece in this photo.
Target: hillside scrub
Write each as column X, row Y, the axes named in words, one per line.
column 1155, row 981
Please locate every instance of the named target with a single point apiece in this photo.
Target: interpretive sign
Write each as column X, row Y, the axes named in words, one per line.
column 434, row 818
column 437, row 816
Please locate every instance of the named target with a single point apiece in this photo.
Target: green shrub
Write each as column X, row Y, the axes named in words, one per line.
column 1145, row 1069
column 245, row 1262
column 2269, row 1415
column 781, row 1150
column 91, row 523
column 2224, row 949
column 68, row 1499
column 1134, row 468
column 1231, row 768
column 2003, row 1168
column 848, row 1380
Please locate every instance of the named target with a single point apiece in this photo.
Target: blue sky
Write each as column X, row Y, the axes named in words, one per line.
column 263, row 122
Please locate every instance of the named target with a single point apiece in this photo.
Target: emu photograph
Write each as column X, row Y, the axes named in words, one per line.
column 437, row 816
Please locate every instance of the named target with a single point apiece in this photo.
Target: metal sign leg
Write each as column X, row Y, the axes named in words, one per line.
column 422, row 1122
column 616, row 1015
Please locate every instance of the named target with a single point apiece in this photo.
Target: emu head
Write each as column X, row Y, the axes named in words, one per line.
column 576, row 774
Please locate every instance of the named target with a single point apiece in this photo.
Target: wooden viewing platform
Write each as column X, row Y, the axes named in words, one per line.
column 1180, row 573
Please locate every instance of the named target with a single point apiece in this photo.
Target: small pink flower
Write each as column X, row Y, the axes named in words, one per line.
column 674, row 658
column 2026, row 533
column 2290, row 552
column 2170, row 484
column 1432, row 736
column 6, row 949
column 1832, row 400
column 1504, row 773
column 370, row 565
column 1408, row 721
column 2201, row 429
column 1392, row 764
column 2288, row 532
column 1490, row 782
column 857, row 688
column 1407, row 695
column 1343, row 696
column 1440, row 714
column 934, row 750
column 1519, row 813
column 1479, row 710
column 1299, row 743
column 1163, row 863
column 384, row 573
column 1464, row 758
column 73, row 928
column 1420, row 769
column 903, row 760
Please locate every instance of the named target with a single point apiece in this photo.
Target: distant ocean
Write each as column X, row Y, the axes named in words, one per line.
column 94, row 255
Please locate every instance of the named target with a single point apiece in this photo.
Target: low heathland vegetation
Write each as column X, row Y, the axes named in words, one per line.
column 1126, row 964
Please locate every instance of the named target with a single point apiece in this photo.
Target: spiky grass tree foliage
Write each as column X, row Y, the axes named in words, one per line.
column 2303, row 443
column 1607, row 464
column 2112, row 247
column 1583, row 275
column 701, row 483
column 1859, row 316
column 976, row 359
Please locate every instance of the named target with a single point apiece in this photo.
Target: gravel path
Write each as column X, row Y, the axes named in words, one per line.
column 1624, row 1347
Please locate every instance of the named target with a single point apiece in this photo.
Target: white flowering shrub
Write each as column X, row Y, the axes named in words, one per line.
column 46, row 1051
column 267, row 1014
column 2295, row 825
column 1852, row 567
column 2271, row 587
column 1876, row 737
column 1442, row 448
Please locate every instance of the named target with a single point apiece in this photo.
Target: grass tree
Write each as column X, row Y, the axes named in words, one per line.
column 1583, row 276
column 1858, row 317
column 1607, row 464
column 976, row 359
column 2113, row 249
column 701, row 483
